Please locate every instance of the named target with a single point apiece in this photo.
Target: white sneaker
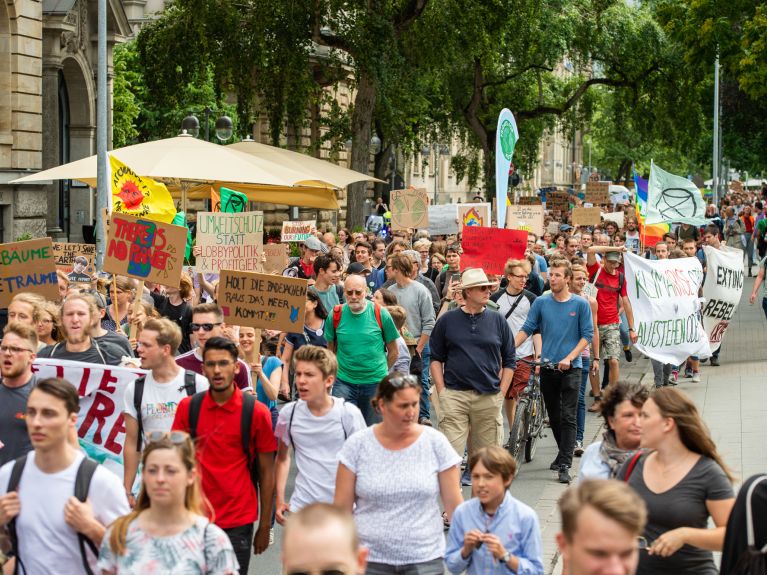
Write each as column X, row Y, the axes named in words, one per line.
column 696, row 377
column 578, row 449
column 271, row 536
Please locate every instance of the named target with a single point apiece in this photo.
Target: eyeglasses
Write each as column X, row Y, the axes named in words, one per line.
column 520, row 276
column 13, row 349
column 220, row 363
column 401, row 381
column 203, row 326
column 175, row 437
column 354, row 292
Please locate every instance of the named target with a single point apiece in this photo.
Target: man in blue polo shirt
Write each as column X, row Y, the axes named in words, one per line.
column 565, row 324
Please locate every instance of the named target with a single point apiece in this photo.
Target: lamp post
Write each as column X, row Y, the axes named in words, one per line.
column 224, row 127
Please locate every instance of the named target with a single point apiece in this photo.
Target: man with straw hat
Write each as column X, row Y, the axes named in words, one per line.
column 472, row 364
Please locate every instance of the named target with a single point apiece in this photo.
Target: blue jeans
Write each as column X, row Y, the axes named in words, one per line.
column 425, row 382
column 581, row 417
column 360, row 395
column 764, row 306
column 625, row 340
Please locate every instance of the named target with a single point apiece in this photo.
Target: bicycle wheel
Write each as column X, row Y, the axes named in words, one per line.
column 518, row 429
column 536, row 428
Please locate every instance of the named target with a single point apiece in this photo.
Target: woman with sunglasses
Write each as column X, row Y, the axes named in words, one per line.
column 402, row 527
column 683, row 481
column 167, row 531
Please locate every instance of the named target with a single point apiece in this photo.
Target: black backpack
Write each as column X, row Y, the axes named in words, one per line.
column 246, row 422
column 82, row 485
column 190, row 386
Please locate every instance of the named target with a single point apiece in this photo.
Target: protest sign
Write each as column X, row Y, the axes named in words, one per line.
column 553, row 228
column 664, row 297
column 145, row 249
column 558, row 201
column 263, row 300
column 297, row 231
column 597, row 193
column 490, row 248
column 529, row 201
column 409, row 209
column 230, row 240
column 443, row 220
column 586, row 217
column 276, row 257
column 100, row 424
column 616, row 217
column 722, row 290
column 528, row 218
column 474, row 214
column 28, row 266
column 75, row 260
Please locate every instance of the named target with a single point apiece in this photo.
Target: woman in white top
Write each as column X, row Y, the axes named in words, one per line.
column 167, row 531
column 392, row 476
column 621, row 407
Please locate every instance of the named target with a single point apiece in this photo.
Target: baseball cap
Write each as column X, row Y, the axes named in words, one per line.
column 613, row 256
column 357, row 268
column 565, row 227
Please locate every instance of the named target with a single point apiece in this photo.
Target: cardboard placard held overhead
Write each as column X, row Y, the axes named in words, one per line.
column 553, row 228
column 75, row 260
column 597, row 193
column 297, row 231
column 409, row 209
column 529, row 201
column 276, row 257
column 443, row 220
column 474, row 214
column 616, row 217
column 231, row 241
column 262, row 300
column 28, row 266
column 586, row 217
column 490, row 248
column 528, row 218
column 145, row 249
column 558, row 201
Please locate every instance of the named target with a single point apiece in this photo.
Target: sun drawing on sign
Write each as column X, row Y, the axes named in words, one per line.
column 130, row 195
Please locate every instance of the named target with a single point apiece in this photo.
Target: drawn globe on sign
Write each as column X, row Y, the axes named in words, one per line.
column 508, row 139
column 675, row 203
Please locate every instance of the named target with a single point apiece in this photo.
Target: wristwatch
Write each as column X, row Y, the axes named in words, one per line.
column 506, row 557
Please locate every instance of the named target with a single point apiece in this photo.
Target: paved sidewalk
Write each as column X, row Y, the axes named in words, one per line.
column 731, row 398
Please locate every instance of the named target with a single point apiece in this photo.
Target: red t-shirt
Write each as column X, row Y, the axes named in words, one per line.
column 223, row 466
column 607, row 294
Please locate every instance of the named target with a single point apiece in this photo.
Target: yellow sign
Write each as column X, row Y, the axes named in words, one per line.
column 139, row 196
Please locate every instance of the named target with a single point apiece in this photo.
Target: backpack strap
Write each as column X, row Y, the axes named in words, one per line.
column 292, row 407
column 190, row 382
column 750, row 538
column 195, row 405
column 138, row 393
column 246, row 424
column 337, row 309
column 632, row 464
column 13, row 485
column 377, row 309
column 82, row 486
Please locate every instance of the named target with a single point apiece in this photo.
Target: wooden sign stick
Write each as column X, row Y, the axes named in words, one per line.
column 136, row 305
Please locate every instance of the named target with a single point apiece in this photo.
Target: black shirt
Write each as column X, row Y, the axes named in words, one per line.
column 181, row 314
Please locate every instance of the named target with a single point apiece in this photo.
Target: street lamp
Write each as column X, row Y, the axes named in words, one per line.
column 439, row 150
column 224, row 126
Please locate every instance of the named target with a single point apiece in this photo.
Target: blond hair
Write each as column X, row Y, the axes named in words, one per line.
column 23, row 331
column 36, row 301
column 398, row 315
column 512, row 263
column 317, row 516
column 168, row 332
column 322, row 358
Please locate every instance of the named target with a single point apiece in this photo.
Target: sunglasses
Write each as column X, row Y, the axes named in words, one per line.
column 402, row 381
column 203, row 326
column 355, row 292
column 175, row 437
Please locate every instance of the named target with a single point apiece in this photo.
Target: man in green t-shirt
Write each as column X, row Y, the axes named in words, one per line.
column 365, row 348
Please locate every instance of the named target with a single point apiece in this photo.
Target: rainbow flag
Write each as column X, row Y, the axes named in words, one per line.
column 652, row 234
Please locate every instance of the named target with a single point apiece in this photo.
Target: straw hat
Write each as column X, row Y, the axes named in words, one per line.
column 474, row 277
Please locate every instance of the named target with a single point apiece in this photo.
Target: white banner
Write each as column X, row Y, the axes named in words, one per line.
column 506, row 136
column 100, row 424
column 664, row 298
column 443, row 220
column 722, row 290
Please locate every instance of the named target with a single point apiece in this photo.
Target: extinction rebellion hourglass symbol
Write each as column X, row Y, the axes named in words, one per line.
column 676, row 203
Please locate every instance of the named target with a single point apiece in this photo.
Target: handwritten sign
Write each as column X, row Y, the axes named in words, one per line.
column 276, row 257
column 145, row 249
column 297, row 231
column 491, row 248
column 409, row 208
column 443, row 220
column 722, row 289
column 75, row 260
column 528, row 218
column 597, row 193
column 587, row 217
column 262, row 300
column 529, row 201
column 28, row 266
column 558, row 201
column 232, row 241
column 474, row 215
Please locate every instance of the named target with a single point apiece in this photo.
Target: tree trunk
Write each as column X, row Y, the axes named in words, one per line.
column 381, row 171
column 364, row 104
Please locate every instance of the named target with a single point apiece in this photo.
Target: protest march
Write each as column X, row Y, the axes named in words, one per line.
column 183, row 404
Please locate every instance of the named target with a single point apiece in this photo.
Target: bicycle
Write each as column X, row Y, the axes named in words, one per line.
column 530, row 415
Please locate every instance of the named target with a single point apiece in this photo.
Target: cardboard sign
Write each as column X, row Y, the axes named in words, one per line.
column 474, row 215
column 597, row 193
column 28, row 266
column 558, row 201
column 528, row 218
column 409, row 208
column 263, row 300
column 232, row 241
column 145, row 249
column 75, row 260
column 529, row 201
column 586, row 217
column 297, row 231
column 443, row 220
column 616, row 217
column 553, row 228
column 276, row 257
column 491, row 248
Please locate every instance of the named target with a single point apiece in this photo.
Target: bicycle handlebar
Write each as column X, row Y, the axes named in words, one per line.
column 545, row 364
